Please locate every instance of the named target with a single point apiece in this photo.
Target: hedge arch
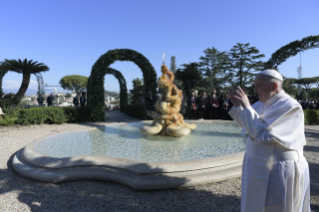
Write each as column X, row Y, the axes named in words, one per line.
column 95, row 87
column 291, row 49
column 123, row 89
column 2, row 73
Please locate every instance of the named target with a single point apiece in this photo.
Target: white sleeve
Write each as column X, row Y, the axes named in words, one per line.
column 287, row 127
column 234, row 113
column 256, row 128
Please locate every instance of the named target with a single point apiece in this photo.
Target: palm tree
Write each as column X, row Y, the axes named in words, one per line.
column 26, row 68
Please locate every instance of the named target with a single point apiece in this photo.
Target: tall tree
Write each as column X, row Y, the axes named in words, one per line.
column 173, row 64
column 26, row 68
column 289, row 86
column 137, row 91
column 77, row 83
column 213, row 66
column 189, row 75
column 307, row 83
column 317, row 83
column 243, row 62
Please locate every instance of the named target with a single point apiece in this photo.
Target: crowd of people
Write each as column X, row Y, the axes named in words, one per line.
column 309, row 104
column 200, row 106
column 214, row 106
column 79, row 100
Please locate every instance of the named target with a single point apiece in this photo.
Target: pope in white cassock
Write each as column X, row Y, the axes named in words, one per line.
column 275, row 174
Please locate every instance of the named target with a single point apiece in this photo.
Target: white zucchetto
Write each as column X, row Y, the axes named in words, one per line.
column 272, row 73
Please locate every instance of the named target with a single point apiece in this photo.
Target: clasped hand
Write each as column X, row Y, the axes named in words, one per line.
column 238, row 97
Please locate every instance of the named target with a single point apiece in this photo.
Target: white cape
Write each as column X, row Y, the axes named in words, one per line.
column 275, row 175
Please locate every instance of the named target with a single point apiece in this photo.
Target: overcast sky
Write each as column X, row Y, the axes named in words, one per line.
column 69, row 36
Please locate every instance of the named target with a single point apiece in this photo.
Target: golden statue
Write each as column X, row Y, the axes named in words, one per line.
column 168, row 120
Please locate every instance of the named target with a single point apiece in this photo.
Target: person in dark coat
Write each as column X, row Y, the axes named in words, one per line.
column 221, row 99
column 215, row 104
column 40, row 101
column 150, row 101
column 83, row 99
column 50, row 100
column 315, row 104
column 183, row 106
column 76, row 101
column 226, row 106
column 203, row 104
column 193, row 106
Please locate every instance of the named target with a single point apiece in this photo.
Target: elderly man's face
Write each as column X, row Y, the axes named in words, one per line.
column 263, row 88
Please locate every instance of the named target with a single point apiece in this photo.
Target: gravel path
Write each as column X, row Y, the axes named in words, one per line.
column 18, row 193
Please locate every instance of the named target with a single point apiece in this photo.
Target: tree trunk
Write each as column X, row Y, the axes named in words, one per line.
column 23, row 88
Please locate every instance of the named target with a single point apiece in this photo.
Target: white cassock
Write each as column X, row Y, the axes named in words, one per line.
column 275, row 174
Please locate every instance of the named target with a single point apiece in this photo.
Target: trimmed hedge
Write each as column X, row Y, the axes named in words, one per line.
column 83, row 114
column 311, row 117
column 136, row 111
column 77, row 114
column 53, row 115
column 40, row 116
column 7, row 120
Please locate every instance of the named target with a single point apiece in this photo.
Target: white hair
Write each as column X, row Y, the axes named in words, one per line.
column 279, row 82
column 272, row 80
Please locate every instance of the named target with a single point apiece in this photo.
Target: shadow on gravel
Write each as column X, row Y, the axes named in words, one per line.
column 314, row 186
column 311, row 148
column 310, row 133
column 96, row 195
column 313, row 169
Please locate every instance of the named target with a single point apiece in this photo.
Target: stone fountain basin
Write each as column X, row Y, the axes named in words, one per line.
column 135, row 174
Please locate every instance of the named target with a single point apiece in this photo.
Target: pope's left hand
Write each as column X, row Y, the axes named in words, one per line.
column 242, row 97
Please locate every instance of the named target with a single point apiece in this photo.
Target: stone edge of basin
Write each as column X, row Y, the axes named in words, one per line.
column 37, row 159
column 32, row 157
column 137, row 181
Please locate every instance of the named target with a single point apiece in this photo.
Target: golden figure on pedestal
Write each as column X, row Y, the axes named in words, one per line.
column 168, row 120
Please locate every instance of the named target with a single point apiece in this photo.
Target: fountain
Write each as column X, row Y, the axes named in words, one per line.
column 168, row 120
column 120, row 153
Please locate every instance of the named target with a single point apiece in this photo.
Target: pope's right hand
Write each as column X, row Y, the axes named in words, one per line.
column 231, row 92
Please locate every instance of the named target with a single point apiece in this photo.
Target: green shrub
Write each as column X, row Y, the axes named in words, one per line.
column 136, row 111
column 31, row 116
column 77, row 114
column 311, row 117
column 53, row 115
column 41, row 115
column 6, row 120
column 12, row 113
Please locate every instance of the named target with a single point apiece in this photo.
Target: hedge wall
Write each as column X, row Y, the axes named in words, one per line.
column 136, row 111
column 40, row 116
column 53, row 115
column 83, row 114
column 77, row 114
column 311, row 117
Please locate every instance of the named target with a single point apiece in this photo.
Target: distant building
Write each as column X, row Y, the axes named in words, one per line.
column 109, row 99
